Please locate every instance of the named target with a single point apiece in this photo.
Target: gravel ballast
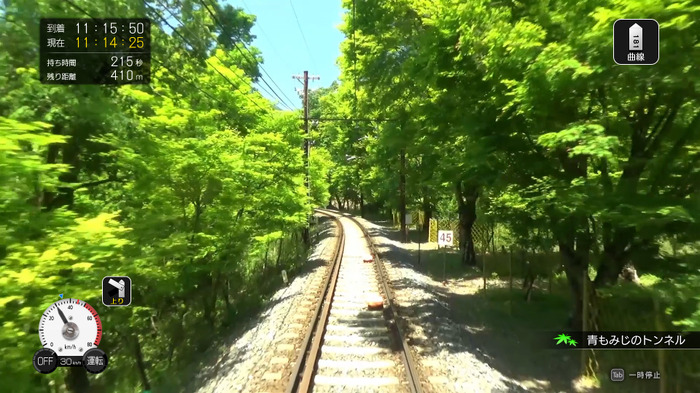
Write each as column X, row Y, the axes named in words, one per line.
column 453, row 355
column 448, row 361
column 259, row 358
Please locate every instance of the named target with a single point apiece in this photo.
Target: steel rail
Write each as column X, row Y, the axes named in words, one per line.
column 302, row 381
column 409, row 363
column 310, row 350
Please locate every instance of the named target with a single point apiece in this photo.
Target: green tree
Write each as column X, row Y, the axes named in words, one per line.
column 192, row 186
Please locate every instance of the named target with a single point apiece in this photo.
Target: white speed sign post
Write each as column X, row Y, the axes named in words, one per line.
column 445, row 239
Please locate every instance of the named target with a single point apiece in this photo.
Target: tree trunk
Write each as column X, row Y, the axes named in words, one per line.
column 607, row 273
column 305, row 235
column 216, row 283
column 141, row 365
column 77, row 381
column 177, row 336
column 279, row 252
column 337, row 201
column 226, row 288
column 362, row 205
column 466, row 205
column 615, row 256
column 574, row 269
column 402, row 197
column 196, row 224
column 575, row 242
column 427, row 213
column 617, row 244
column 267, row 251
column 207, row 303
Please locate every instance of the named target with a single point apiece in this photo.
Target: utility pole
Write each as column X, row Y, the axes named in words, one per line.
column 307, row 147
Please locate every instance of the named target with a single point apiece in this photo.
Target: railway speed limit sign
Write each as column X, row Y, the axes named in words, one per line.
column 445, row 238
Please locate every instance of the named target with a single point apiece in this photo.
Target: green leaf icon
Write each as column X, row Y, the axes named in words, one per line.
column 562, row 338
column 572, row 342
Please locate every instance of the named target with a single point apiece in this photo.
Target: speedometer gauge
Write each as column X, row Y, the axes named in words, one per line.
column 70, row 327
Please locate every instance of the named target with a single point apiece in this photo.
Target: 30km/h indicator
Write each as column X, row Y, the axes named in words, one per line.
column 70, row 327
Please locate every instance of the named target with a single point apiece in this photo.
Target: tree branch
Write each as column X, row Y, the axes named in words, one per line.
column 645, row 118
column 654, row 139
column 98, row 182
column 675, row 149
column 605, row 177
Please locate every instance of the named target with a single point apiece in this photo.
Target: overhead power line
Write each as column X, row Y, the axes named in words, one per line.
column 215, row 56
column 303, row 37
column 178, row 76
column 274, row 49
column 259, row 26
column 251, row 58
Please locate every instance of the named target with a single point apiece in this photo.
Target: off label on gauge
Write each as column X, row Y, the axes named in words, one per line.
column 70, row 327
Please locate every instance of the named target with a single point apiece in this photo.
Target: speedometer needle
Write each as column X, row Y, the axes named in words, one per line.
column 63, row 317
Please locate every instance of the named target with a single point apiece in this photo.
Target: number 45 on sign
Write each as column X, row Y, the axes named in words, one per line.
column 445, row 238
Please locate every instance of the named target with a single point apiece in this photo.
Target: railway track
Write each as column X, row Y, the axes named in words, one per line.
column 348, row 346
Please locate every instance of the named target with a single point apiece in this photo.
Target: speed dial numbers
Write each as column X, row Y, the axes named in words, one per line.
column 70, row 327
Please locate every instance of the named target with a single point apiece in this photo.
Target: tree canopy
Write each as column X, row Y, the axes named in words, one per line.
column 517, row 111
column 193, row 186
